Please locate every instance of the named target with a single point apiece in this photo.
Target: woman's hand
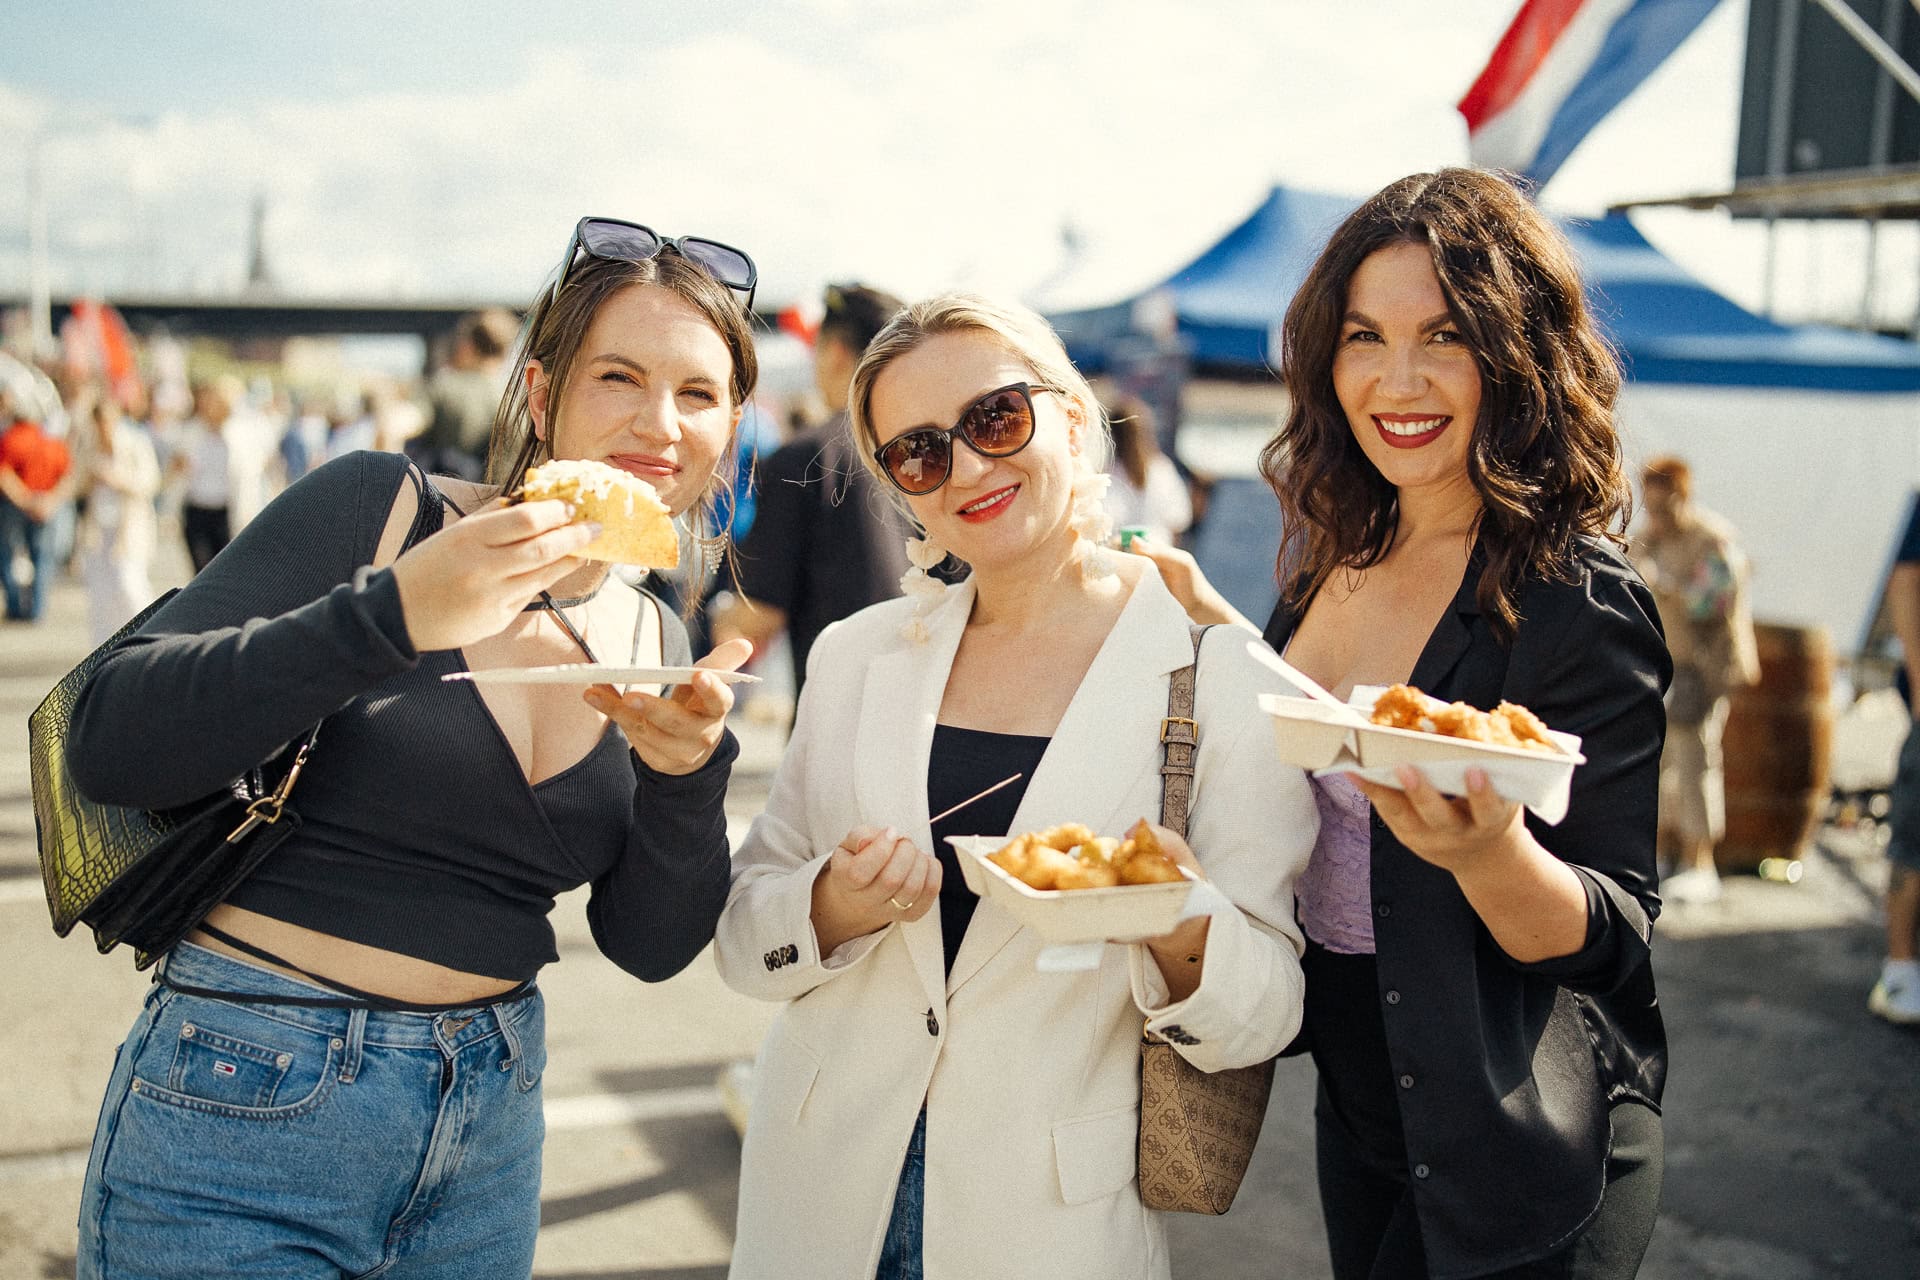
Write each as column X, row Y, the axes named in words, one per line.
column 676, row 734
column 1533, row 904
column 1189, row 586
column 1468, row 836
column 471, row 579
column 875, row 877
column 1181, row 953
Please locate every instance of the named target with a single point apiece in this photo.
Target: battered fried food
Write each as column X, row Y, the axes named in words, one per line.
column 1402, row 706
column 635, row 526
column 1070, row 856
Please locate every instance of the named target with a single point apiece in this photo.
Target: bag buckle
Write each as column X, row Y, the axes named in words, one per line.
column 1168, row 731
column 266, row 810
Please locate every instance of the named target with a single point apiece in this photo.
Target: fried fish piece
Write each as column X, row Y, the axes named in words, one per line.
column 1402, row 706
column 1525, row 727
column 1147, row 862
column 1066, row 837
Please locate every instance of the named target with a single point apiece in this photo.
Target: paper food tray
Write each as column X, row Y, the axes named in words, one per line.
column 1123, row 913
column 1326, row 739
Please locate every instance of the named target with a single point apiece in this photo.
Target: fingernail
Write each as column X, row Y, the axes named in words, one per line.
column 593, row 528
column 1405, row 773
column 1476, row 779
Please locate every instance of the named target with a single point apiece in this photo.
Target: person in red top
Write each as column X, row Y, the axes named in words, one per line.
column 33, row 470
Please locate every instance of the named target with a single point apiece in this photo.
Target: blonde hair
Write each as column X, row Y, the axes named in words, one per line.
column 1022, row 332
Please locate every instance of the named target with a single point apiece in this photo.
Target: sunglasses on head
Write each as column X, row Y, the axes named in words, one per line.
column 997, row 425
column 613, row 240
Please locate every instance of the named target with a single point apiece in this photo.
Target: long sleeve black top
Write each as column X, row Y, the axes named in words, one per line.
column 1503, row 1072
column 420, row 833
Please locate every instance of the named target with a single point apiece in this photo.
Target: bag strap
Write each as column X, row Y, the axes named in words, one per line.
column 1179, row 739
column 426, row 521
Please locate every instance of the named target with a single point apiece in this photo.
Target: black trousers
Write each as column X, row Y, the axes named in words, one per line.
column 1373, row 1232
column 206, row 530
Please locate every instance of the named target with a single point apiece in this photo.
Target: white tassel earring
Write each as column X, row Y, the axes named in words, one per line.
column 1090, row 519
column 921, row 587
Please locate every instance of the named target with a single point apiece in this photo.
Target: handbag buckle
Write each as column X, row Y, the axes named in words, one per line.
column 1169, row 733
column 266, row 810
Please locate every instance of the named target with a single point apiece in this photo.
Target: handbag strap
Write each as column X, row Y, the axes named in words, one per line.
column 1179, row 739
column 427, row 519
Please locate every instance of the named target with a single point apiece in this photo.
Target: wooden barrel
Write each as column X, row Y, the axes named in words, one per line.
column 1778, row 743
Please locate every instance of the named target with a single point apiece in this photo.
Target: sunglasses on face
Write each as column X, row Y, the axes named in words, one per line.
column 997, row 425
column 612, row 240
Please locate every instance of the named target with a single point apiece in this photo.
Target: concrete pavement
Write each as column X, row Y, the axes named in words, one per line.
column 1792, row 1115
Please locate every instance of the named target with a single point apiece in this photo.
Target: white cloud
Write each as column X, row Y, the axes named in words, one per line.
column 914, row 149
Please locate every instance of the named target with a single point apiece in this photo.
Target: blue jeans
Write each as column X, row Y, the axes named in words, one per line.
column 20, row 531
column 274, row 1140
column 900, row 1254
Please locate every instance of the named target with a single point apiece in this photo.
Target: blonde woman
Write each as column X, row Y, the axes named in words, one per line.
column 929, row 1103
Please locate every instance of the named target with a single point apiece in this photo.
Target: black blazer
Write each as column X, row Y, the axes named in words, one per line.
column 1516, row 1064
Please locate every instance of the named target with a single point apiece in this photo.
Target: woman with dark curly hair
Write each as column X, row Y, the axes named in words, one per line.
column 1480, row 1004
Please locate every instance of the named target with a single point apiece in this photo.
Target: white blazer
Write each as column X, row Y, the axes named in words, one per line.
column 1031, row 1080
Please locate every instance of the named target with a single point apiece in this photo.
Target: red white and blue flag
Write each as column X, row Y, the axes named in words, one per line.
column 1559, row 69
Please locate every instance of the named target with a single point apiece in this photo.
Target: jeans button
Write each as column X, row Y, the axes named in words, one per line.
column 186, row 1031
column 1406, row 1082
column 1393, row 997
column 1421, row 1171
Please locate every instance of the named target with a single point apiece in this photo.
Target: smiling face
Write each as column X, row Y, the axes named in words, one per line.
column 1406, row 378
column 991, row 512
column 648, row 393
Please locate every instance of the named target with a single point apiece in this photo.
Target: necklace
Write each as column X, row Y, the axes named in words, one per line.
column 565, row 602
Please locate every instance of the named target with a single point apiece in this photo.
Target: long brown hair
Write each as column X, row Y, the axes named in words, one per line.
column 1544, row 455
column 1130, row 419
column 555, row 328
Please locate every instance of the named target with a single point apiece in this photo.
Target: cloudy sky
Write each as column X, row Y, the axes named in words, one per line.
column 440, row 149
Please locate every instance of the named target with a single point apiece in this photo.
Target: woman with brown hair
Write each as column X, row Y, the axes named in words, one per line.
column 1480, row 1004
column 338, row 1072
column 1148, row 491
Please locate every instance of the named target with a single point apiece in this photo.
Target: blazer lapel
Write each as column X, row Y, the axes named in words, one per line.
column 1084, row 776
column 1453, row 634
column 899, row 704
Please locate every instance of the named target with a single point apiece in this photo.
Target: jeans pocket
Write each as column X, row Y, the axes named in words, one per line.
column 226, row 1060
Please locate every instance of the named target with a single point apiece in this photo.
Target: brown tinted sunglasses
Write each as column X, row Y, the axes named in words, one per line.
column 997, row 425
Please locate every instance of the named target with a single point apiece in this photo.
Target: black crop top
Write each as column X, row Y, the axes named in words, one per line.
column 420, row 833
column 966, row 762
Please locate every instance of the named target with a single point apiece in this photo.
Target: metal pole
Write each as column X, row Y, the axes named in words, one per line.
column 1869, row 39
column 1786, row 52
column 1880, row 134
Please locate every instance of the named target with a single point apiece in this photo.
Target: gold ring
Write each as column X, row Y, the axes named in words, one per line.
column 902, row 906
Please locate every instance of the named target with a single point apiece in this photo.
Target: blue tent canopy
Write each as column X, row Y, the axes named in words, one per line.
column 1668, row 326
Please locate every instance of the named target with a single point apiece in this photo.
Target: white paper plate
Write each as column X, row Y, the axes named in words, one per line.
column 585, row 673
column 1122, row 913
column 1326, row 740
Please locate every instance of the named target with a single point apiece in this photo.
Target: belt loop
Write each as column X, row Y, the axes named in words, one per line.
column 355, row 1046
column 516, row 1058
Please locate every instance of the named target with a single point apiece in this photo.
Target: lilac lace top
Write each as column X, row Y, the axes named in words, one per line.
column 1335, row 892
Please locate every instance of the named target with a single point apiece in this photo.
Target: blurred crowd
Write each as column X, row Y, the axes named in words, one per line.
column 158, row 454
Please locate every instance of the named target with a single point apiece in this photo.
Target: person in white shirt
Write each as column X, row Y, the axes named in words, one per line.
column 1148, row 491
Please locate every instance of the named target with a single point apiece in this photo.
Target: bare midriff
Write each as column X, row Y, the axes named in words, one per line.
column 353, row 964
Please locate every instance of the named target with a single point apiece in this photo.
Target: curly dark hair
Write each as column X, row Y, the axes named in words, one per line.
column 1544, row 457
